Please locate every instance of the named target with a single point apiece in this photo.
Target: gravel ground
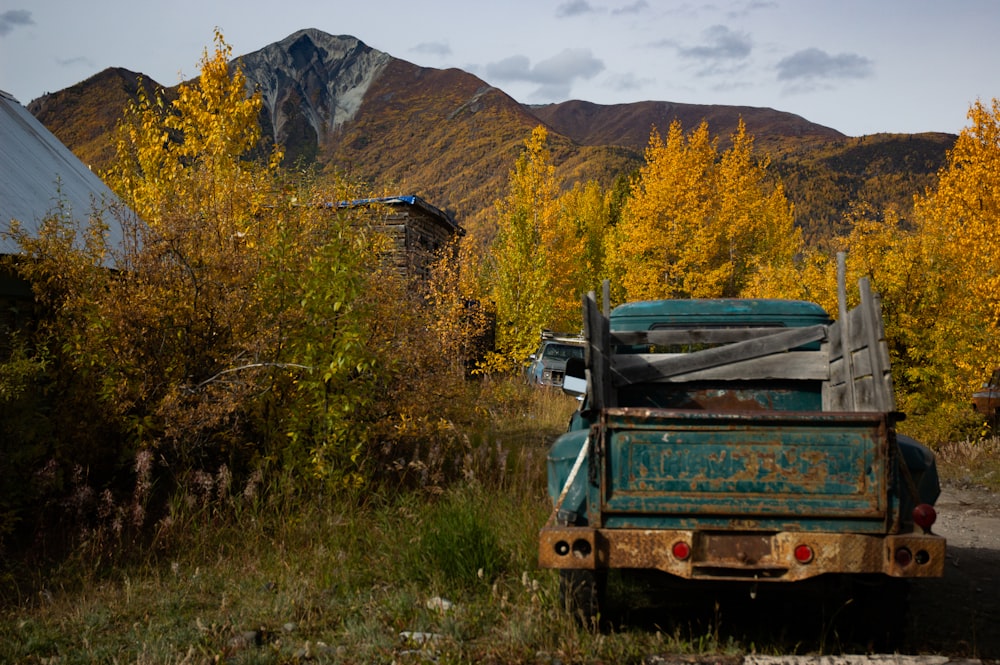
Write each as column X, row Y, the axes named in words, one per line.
column 959, row 614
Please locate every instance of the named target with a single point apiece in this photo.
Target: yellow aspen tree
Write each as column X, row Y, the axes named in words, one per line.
column 521, row 283
column 957, row 223
column 241, row 323
column 881, row 248
column 184, row 169
column 661, row 239
column 700, row 225
column 563, row 248
column 210, row 128
column 811, row 276
column 753, row 222
column 574, row 252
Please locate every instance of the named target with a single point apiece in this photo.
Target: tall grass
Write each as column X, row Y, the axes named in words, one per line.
column 389, row 581
column 265, row 572
column 268, row 573
column 972, row 460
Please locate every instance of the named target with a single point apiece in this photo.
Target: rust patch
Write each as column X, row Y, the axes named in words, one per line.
column 739, row 556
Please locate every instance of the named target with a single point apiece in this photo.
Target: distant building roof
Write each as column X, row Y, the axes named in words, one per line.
column 38, row 172
column 409, row 200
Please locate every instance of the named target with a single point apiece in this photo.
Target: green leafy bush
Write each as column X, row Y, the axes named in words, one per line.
column 460, row 544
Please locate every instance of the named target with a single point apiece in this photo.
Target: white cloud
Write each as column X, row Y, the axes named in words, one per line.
column 573, row 8
column 627, row 82
column 813, row 64
column 554, row 76
column 514, row 68
column 432, row 48
column 77, row 61
column 567, row 65
column 743, row 11
column 720, row 43
column 636, row 7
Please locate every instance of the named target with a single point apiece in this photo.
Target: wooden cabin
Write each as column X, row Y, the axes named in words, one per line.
column 417, row 229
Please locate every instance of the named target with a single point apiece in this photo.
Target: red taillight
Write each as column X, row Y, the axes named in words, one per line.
column 924, row 516
column 903, row 557
column 681, row 550
column 804, row 554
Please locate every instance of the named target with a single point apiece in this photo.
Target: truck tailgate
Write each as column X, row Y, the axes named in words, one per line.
column 753, row 468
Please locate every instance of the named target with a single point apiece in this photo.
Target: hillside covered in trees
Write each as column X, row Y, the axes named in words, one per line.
column 450, row 137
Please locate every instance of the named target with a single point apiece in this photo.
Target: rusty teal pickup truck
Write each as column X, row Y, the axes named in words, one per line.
column 741, row 441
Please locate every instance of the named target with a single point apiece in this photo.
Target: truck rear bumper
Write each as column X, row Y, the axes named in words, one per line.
column 722, row 555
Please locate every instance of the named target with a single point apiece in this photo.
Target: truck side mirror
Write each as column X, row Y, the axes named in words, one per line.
column 575, row 379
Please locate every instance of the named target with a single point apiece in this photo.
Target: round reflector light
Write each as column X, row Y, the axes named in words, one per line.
column 681, row 550
column 804, row 554
column 924, row 516
column 581, row 548
column 903, row 557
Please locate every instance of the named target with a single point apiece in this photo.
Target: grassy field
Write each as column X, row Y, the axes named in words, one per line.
column 441, row 575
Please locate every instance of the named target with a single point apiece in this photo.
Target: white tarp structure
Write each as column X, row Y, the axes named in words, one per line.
column 37, row 172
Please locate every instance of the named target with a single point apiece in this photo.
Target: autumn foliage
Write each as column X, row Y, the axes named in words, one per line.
column 250, row 326
column 936, row 274
column 544, row 256
column 697, row 223
column 246, row 326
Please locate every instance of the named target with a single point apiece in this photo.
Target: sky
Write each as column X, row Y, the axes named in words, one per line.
column 857, row 66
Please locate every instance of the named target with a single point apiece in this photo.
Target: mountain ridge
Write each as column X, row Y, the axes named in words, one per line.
column 604, row 123
column 451, row 137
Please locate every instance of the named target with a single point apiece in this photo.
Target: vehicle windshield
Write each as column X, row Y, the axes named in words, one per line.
column 562, row 351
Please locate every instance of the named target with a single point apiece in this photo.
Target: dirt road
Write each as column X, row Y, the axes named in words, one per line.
column 959, row 615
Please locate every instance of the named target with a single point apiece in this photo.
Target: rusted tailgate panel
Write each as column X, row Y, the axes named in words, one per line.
column 744, row 465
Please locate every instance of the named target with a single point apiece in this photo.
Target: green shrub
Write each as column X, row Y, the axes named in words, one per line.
column 460, row 543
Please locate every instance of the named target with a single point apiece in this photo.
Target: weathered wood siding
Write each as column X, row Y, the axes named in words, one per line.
column 417, row 230
column 860, row 376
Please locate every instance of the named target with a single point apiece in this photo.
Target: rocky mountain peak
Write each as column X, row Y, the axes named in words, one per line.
column 312, row 82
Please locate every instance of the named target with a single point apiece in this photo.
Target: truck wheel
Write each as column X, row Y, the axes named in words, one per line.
column 583, row 594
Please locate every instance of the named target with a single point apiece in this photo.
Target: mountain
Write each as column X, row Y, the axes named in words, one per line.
column 84, row 115
column 311, row 84
column 629, row 124
column 452, row 138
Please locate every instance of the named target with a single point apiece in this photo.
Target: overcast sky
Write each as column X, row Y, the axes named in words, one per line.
column 858, row 66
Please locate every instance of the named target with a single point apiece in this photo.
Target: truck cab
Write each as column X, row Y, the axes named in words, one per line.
column 547, row 365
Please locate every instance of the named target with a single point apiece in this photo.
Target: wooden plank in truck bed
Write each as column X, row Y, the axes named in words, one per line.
column 860, row 375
